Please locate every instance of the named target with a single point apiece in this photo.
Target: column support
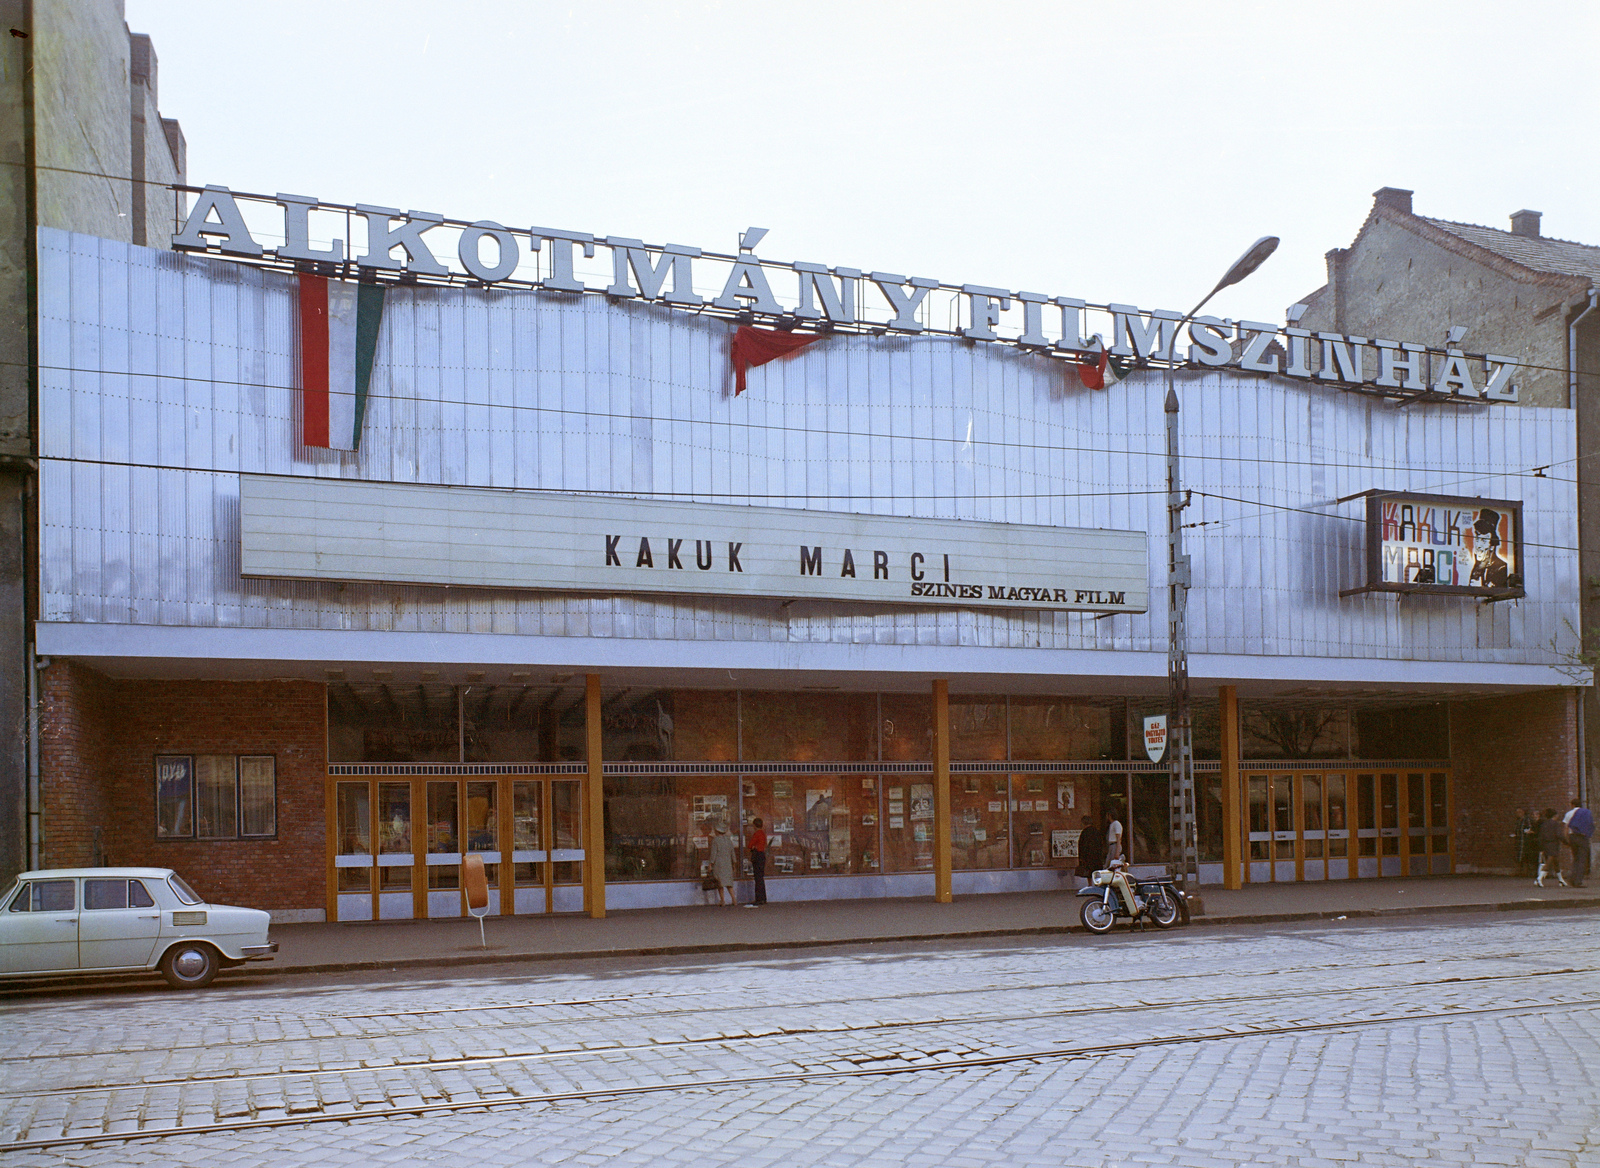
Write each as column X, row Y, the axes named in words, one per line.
column 941, row 791
column 594, row 802
column 1232, row 824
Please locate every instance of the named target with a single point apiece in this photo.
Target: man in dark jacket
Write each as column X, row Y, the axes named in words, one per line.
column 1091, row 850
column 1526, row 836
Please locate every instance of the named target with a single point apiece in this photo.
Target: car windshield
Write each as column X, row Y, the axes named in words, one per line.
column 185, row 893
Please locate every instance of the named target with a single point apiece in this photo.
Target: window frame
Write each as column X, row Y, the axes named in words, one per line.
column 193, row 816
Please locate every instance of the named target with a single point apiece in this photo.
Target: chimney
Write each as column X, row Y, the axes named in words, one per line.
column 1393, row 198
column 1525, row 223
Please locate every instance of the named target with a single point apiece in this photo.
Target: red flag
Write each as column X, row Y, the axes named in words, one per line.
column 753, row 346
column 1094, row 376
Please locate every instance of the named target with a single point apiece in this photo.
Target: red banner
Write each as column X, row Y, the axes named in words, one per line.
column 753, row 346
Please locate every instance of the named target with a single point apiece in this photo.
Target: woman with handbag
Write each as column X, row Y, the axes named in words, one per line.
column 722, row 862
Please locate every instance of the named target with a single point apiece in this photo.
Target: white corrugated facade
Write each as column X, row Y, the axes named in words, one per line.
column 165, row 377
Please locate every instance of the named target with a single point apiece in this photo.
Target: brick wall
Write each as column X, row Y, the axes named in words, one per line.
column 101, row 737
column 72, row 766
column 1509, row 753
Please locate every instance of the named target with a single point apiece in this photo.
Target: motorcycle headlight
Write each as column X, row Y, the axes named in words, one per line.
column 1102, row 877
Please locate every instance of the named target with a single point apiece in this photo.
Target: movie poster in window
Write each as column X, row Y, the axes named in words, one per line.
column 921, row 801
column 1444, row 544
column 1064, row 844
column 174, row 796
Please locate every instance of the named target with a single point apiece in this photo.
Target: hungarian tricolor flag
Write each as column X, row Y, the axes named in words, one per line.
column 1105, row 372
column 338, row 337
column 753, row 346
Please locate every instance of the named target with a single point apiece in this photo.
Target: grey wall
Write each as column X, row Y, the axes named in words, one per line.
column 1393, row 283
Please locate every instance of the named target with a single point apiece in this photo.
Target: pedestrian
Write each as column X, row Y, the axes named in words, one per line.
column 1091, row 851
column 757, row 845
column 1579, row 823
column 722, row 862
column 1525, row 838
column 1113, row 838
column 1549, row 848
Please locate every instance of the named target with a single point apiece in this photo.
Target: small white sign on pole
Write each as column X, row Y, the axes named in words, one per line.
column 1155, row 737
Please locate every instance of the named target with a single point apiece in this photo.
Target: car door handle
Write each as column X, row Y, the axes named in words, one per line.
column 66, row 920
column 151, row 917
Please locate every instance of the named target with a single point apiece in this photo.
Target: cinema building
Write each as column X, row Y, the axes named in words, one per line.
column 347, row 570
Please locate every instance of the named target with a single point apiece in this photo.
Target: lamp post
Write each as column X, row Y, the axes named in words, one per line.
column 1180, row 748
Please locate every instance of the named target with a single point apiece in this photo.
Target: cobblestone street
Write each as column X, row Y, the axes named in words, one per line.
column 1463, row 1040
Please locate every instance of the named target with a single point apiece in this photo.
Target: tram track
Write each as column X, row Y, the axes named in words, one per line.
column 774, row 1034
column 932, row 1065
column 714, row 1007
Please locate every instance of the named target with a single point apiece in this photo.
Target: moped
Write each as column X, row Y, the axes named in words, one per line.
column 1157, row 900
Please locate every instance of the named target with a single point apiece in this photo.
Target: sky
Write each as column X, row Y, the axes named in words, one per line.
column 1113, row 152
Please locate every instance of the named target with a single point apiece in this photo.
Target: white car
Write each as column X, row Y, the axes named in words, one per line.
column 117, row 920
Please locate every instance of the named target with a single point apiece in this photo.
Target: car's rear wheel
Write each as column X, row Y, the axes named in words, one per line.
column 190, row 965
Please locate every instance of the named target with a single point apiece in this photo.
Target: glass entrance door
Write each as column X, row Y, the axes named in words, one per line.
column 1274, row 836
column 547, row 845
column 383, row 869
column 1338, row 826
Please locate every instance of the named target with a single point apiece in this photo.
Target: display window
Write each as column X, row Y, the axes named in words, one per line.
column 659, row 827
column 1044, row 728
column 393, row 723
column 1047, row 819
column 905, row 727
column 980, row 822
column 706, row 725
column 809, row 727
column 1151, row 818
column 907, row 823
column 817, row 825
column 978, row 729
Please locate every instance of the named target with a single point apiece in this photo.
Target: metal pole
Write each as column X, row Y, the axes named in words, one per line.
column 1180, row 739
column 1180, row 744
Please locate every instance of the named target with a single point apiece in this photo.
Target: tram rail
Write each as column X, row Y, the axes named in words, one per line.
column 776, row 1034
column 933, row 1065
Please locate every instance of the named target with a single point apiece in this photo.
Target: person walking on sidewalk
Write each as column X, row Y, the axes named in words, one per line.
column 722, row 862
column 1549, row 848
column 757, row 844
column 1525, row 841
column 1579, row 823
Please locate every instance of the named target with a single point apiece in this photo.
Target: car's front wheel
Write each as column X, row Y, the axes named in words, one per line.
column 190, row 966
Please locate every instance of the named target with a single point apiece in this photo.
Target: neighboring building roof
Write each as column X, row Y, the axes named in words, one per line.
column 1537, row 252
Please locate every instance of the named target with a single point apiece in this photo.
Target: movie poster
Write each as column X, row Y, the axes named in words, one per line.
column 1423, row 542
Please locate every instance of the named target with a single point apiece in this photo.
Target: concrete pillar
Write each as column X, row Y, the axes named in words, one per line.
column 1232, row 805
column 594, row 827
column 941, row 791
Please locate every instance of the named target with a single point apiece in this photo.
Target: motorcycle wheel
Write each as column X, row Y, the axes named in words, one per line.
column 1097, row 918
column 1163, row 910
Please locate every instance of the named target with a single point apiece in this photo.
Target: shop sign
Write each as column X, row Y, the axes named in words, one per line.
column 1155, row 737
column 341, row 529
column 1444, row 544
column 397, row 248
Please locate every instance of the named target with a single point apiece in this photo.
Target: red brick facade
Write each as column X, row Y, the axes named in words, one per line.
column 100, row 737
column 73, row 787
column 1508, row 753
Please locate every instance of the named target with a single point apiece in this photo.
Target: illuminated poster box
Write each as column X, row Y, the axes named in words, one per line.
column 1444, row 544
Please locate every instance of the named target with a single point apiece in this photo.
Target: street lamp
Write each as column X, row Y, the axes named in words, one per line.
column 1180, row 753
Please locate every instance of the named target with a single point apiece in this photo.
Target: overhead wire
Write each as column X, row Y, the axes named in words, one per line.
column 820, row 431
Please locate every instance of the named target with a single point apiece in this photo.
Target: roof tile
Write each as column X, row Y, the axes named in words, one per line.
column 1537, row 252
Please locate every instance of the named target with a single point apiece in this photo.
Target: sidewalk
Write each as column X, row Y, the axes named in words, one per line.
column 711, row 929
